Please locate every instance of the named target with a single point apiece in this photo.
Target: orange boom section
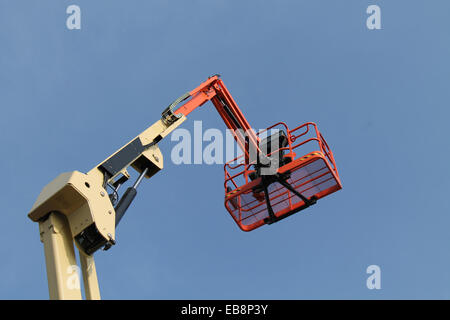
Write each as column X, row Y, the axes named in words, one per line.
column 214, row 89
column 307, row 172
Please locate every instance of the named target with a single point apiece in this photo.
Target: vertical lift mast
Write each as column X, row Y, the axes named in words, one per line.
column 86, row 209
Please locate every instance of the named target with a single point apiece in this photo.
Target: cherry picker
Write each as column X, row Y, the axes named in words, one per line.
column 280, row 172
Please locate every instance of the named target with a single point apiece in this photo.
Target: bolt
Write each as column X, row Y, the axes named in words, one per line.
column 156, row 158
column 111, row 241
column 102, row 193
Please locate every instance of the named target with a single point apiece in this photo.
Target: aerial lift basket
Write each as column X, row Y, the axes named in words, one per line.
column 306, row 172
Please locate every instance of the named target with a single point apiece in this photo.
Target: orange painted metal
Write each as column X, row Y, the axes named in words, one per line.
column 215, row 90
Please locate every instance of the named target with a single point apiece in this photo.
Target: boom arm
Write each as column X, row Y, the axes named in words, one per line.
column 75, row 207
column 214, row 90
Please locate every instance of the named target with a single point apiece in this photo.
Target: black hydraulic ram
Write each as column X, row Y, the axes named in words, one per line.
column 128, row 197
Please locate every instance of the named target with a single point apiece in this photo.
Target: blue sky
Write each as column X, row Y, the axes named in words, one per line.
column 71, row 98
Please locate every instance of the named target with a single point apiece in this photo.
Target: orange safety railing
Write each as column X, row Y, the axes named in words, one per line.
column 309, row 165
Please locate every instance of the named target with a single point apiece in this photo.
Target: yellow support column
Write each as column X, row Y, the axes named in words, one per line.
column 90, row 281
column 62, row 269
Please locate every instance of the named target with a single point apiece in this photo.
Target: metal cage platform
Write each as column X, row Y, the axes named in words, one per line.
column 306, row 172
